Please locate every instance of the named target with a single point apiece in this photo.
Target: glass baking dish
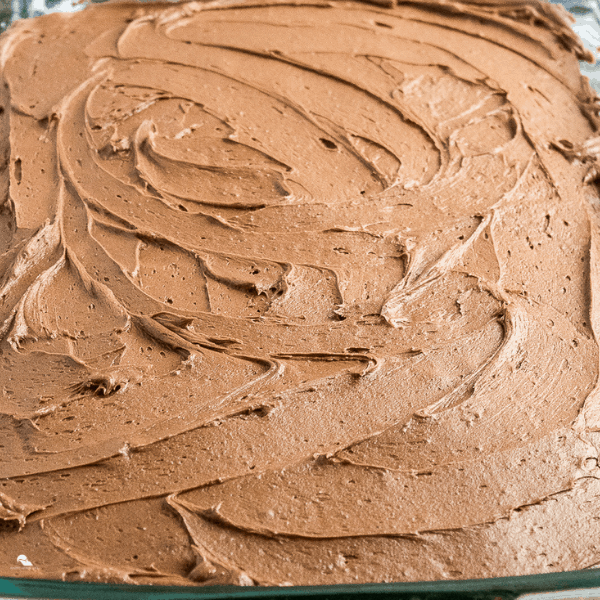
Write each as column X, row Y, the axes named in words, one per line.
column 583, row 583
column 549, row 586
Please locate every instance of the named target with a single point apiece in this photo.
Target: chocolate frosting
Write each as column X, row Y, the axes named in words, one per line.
column 298, row 293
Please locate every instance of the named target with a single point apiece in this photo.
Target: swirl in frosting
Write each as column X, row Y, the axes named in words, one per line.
column 298, row 293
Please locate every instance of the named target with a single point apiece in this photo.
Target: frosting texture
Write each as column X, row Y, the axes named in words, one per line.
column 298, row 293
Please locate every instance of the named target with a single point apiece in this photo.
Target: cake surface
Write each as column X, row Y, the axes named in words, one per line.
column 298, row 293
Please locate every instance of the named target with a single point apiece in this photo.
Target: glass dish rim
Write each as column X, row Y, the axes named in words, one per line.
column 504, row 588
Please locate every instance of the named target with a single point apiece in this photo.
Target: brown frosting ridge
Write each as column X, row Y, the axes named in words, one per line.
column 298, row 293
